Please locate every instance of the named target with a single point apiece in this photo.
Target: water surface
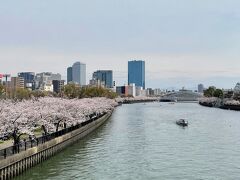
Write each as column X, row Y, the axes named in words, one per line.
column 143, row 142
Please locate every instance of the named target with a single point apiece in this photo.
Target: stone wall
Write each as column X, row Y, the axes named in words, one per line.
column 16, row 164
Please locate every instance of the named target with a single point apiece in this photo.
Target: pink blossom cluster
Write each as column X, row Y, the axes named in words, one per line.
column 25, row 116
column 232, row 103
column 208, row 100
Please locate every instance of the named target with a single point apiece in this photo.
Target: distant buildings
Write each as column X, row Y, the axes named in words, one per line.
column 182, row 95
column 77, row 74
column 121, row 90
column 136, row 73
column 136, row 80
column 131, row 90
column 58, row 85
column 200, row 88
column 105, row 76
column 28, row 79
column 17, row 83
column 43, row 81
column 96, row 83
column 150, row 92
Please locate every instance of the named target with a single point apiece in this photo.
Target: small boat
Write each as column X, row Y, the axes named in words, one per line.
column 182, row 122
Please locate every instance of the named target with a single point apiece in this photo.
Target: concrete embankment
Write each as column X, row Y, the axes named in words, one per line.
column 138, row 101
column 18, row 163
column 206, row 104
column 224, row 106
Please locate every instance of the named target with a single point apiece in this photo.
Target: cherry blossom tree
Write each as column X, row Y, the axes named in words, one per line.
column 24, row 117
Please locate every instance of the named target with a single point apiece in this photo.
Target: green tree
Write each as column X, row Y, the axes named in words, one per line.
column 71, row 91
column 39, row 94
column 210, row 91
column 21, row 94
column 218, row 93
column 1, row 89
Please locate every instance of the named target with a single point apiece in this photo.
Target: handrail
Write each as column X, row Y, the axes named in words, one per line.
column 24, row 145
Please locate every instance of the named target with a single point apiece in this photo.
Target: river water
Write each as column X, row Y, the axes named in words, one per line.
column 143, row 142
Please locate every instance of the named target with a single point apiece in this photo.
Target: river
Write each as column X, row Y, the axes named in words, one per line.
column 143, row 142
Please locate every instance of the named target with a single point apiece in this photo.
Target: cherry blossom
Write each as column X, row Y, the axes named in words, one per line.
column 23, row 117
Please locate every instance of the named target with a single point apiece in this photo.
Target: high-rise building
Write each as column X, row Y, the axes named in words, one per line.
column 28, row 79
column 200, row 88
column 16, row 83
column 105, row 76
column 79, row 73
column 57, row 85
column 136, row 73
column 69, row 74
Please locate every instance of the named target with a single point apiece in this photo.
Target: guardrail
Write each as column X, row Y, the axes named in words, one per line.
column 24, row 145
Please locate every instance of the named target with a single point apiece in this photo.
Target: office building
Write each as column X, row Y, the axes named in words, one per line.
column 105, row 76
column 28, row 79
column 58, row 85
column 136, row 73
column 45, row 79
column 17, row 83
column 79, row 73
column 69, row 75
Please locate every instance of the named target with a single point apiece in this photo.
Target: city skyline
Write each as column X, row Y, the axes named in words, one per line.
column 183, row 43
column 172, row 83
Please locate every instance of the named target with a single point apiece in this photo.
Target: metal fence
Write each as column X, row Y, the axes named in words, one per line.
column 26, row 144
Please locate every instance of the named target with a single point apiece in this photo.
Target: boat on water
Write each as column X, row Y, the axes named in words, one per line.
column 182, row 122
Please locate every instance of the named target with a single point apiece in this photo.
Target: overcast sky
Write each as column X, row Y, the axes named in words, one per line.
column 184, row 42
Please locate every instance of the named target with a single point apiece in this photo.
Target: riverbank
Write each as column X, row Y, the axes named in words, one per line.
column 17, row 163
column 228, row 104
column 136, row 100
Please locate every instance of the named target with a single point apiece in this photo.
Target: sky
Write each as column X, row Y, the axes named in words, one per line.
column 183, row 42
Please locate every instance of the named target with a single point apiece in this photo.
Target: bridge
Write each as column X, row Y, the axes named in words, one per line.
column 182, row 95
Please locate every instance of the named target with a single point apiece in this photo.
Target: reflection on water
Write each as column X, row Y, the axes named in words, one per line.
column 143, row 142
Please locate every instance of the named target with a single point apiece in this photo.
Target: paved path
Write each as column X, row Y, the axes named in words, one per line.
column 6, row 144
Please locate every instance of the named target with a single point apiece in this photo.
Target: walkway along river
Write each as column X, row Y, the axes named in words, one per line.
column 143, row 142
column 17, row 159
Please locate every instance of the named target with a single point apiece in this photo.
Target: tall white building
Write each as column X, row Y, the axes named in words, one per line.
column 79, row 73
column 132, row 90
